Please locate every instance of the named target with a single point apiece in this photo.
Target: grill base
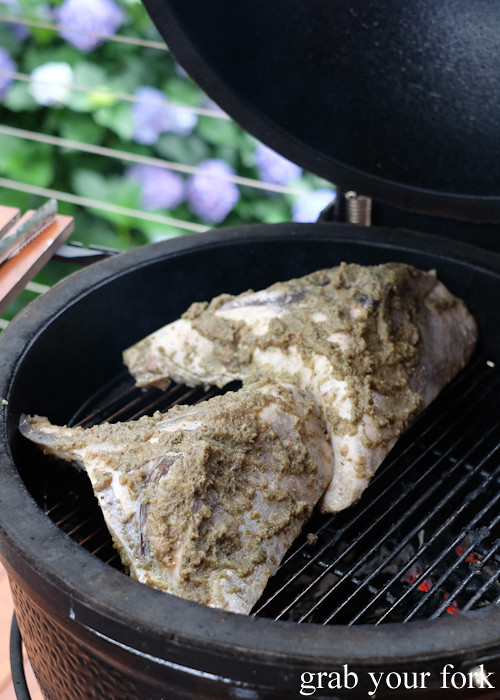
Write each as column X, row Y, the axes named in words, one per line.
column 74, row 665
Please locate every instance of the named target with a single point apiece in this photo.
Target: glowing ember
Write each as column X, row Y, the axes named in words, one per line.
column 425, row 586
column 452, row 608
column 413, row 574
column 471, row 558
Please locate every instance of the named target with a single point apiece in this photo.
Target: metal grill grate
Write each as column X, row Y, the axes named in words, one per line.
column 423, row 542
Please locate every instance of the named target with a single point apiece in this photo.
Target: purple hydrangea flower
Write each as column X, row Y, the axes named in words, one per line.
column 15, row 11
column 273, row 167
column 82, row 21
column 149, row 115
column 309, row 206
column 152, row 115
column 7, row 65
column 182, row 121
column 210, row 196
column 160, row 188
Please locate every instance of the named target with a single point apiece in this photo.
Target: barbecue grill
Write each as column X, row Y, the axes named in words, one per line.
column 406, row 581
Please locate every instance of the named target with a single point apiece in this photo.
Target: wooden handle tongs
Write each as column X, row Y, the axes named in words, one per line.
column 26, row 243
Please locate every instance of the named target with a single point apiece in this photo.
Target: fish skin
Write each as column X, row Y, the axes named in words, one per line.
column 176, row 500
column 445, row 336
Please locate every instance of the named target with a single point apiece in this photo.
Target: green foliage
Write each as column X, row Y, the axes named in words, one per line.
column 26, row 162
column 98, row 112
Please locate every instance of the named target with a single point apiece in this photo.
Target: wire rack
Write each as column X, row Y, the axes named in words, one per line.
column 88, row 210
column 423, row 542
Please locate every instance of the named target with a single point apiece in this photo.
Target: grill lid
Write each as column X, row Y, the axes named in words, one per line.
column 398, row 101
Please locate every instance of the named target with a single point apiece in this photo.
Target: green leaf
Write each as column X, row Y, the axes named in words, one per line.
column 26, row 162
column 81, row 127
column 92, row 229
column 188, row 150
column 271, row 210
column 88, row 74
column 91, row 184
column 247, row 154
column 118, row 118
column 40, row 171
column 8, row 40
column 124, row 192
column 42, row 36
column 159, row 232
column 34, row 56
column 132, row 73
column 183, row 91
column 112, row 190
column 21, row 200
column 95, row 83
column 18, row 98
column 219, row 132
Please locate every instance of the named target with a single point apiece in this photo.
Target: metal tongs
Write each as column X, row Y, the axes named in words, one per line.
column 16, row 236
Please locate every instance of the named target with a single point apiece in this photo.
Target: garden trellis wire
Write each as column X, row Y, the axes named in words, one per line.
column 112, row 154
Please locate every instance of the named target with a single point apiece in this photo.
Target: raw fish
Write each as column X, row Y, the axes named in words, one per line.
column 374, row 345
column 204, row 501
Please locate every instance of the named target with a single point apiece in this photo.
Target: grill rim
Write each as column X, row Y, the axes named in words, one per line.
column 36, row 552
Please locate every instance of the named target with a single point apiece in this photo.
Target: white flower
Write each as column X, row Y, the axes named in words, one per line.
column 310, row 205
column 50, row 83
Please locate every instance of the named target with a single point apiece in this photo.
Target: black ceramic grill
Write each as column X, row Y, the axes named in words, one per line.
column 400, row 106
column 407, row 579
column 433, row 550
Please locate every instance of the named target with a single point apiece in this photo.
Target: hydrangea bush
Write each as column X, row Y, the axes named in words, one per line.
column 75, row 84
